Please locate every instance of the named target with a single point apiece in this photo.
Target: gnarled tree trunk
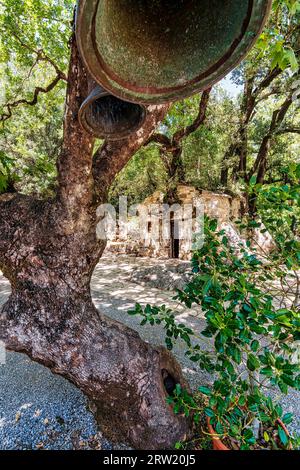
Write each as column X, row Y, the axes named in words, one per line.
column 48, row 251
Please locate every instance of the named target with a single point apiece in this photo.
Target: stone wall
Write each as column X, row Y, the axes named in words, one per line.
column 222, row 207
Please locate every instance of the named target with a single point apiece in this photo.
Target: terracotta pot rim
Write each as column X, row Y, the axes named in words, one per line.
column 218, row 444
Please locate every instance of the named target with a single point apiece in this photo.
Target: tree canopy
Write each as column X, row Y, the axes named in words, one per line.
column 241, row 136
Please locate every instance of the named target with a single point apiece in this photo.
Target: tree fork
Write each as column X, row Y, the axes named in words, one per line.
column 48, row 251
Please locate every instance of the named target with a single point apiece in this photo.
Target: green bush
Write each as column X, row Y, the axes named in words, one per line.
column 252, row 340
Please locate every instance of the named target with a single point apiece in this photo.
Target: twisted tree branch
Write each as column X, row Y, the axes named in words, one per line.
column 40, row 57
column 33, row 102
column 185, row 132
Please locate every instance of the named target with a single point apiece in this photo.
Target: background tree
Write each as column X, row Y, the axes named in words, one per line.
column 170, row 143
column 267, row 109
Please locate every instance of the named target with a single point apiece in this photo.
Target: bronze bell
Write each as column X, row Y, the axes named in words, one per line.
column 156, row 51
column 107, row 117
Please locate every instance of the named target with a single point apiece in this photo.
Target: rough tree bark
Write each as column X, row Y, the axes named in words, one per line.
column 48, row 251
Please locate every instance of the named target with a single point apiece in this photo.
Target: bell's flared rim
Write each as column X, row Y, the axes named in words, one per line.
column 258, row 12
column 99, row 133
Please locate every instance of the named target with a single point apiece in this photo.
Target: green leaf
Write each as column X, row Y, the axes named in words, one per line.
column 255, row 345
column 288, row 380
column 219, row 428
column 234, row 430
column 237, row 356
column 292, row 59
column 282, row 436
column 287, row 418
column 213, row 402
column 209, row 412
column 242, row 400
column 252, row 363
column 205, row 391
column 268, row 371
column 132, row 312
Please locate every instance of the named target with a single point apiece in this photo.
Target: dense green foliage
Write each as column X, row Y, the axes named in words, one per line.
column 34, row 47
column 251, row 334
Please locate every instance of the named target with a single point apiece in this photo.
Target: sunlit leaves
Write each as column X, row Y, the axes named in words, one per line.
column 277, row 42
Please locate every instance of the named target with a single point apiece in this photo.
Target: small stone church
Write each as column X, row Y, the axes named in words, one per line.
column 226, row 209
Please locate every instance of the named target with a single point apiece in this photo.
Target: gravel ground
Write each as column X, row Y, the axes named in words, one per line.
column 41, row 410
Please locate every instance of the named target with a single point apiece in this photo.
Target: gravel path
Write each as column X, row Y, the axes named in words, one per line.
column 41, row 410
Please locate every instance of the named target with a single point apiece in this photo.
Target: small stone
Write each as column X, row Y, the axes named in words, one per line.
column 60, row 420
